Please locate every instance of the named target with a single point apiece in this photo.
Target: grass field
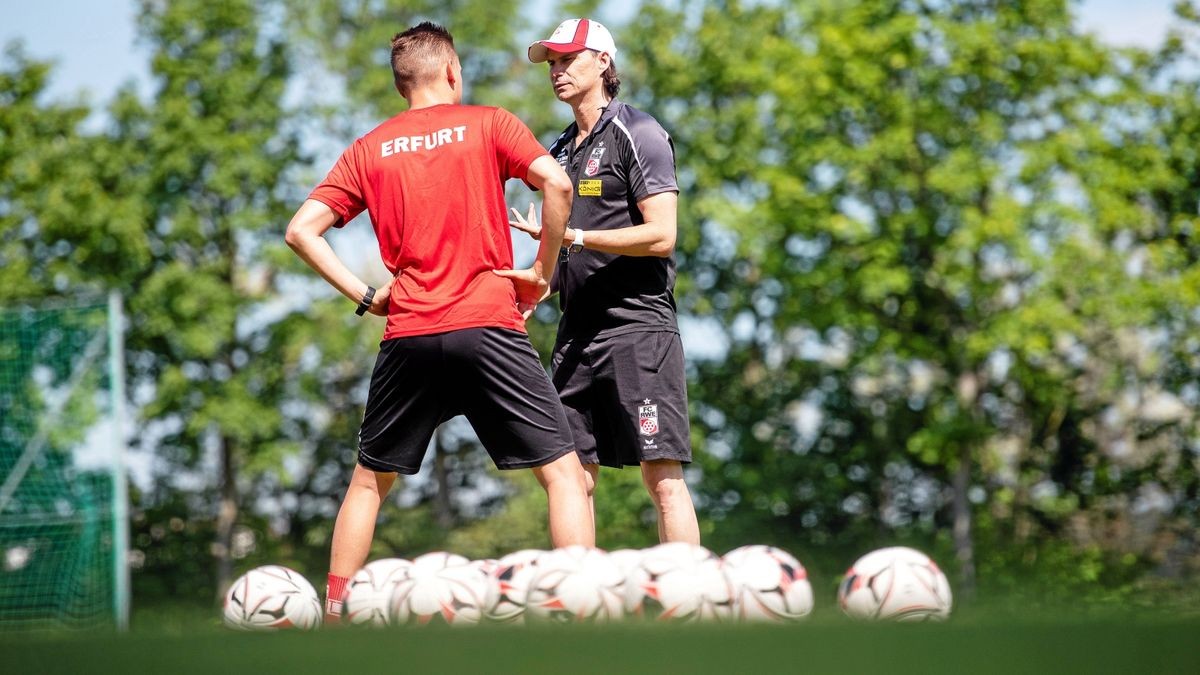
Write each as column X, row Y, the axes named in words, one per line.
column 975, row 642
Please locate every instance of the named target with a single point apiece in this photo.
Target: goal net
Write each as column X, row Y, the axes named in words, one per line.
column 63, row 507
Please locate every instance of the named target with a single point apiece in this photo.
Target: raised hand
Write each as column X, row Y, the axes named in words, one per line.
column 528, row 224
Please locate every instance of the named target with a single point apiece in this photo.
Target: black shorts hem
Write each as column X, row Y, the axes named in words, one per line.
column 534, row 463
column 613, row 464
column 368, row 462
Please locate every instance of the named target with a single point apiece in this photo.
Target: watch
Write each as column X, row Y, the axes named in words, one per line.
column 365, row 304
column 577, row 245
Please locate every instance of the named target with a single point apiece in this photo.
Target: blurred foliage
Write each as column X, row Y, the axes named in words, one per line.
column 942, row 255
column 936, row 297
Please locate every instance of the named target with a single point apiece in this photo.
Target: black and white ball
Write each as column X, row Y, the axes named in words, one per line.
column 513, row 574
column 575, row 584
column 769, row 584
column 679, row 582
column 272, row 597
column 436, row 560
column 896, row 583
column 369, row 592
column 456, row 595
column 626, row 559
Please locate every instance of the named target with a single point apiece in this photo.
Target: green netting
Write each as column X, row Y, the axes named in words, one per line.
column 56, row 519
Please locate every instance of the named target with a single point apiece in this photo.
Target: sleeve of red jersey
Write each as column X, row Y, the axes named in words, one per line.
column 516, row 146
column 342, row 189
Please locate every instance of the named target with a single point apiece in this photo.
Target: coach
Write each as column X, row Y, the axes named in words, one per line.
column 618, row 360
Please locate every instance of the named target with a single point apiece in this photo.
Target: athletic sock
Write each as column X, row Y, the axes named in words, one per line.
column 335, row 590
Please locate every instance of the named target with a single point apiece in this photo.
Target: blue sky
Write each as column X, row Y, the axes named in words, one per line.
column 95, row 46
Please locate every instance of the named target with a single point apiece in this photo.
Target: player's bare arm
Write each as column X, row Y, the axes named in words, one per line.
column 654, row 237
column 306, row 236
column 533, row 284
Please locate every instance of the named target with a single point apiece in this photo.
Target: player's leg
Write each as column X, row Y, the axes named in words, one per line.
column 570, row 512
column 676, row 513
column 353, row 531
column 593, row 476
column 401, row 414
column 576, row 385
column 518, row 417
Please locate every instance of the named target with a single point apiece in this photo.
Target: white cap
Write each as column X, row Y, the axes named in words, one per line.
column 574, row 35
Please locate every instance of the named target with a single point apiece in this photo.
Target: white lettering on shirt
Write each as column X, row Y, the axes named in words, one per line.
column 430, row 141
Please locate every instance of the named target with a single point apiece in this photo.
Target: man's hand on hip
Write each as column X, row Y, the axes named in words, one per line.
column 531, row 286
column 383, row 299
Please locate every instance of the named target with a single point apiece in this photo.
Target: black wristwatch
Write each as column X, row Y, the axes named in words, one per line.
column 366, row 301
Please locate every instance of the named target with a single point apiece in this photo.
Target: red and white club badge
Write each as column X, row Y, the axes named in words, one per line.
column 593, row 163
column 648, row 419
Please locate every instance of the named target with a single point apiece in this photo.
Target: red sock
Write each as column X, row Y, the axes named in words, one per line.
column 334, row 592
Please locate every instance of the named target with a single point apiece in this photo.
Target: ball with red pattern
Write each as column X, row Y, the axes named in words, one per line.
column 456, row 595
column 769, row 584
column 369, row 593
column 575, row 584
column 513, row 574
column 272, row 597
column 679, row 582
column 896, row 583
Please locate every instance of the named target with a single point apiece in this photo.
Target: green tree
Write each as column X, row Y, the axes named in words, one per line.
column 879, row 209
column 63, row 228
column 207, row 159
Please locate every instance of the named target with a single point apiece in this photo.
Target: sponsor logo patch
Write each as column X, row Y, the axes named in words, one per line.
column 590, row 188
column 647, row 419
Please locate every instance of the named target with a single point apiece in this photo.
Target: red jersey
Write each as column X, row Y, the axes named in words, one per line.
column 432, row 181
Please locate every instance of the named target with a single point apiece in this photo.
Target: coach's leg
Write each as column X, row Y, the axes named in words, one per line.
column 676, row 513
column 565, row 482
column 353, row 532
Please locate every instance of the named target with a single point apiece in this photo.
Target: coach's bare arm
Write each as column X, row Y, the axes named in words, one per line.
column 654, row 237
column 306, row 236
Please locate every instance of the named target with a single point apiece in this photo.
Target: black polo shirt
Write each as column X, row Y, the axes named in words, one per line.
column 627, row 157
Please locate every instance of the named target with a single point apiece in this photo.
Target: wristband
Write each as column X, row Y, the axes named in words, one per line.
column 366, row 301
column 577, row 245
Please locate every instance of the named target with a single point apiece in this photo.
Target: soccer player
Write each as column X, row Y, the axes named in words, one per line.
column 618, row 359
column 432, row 179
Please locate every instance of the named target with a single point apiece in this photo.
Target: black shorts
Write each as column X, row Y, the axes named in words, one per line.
column 491, row 375
column 625, row 398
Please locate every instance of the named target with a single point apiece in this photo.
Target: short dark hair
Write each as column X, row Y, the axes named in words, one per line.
column 612, row 81
column 418, row 53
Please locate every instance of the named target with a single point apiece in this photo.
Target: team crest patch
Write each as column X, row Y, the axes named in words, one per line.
column 593, row 163
column 648, row 419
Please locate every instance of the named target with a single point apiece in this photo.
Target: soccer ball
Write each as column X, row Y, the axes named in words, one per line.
column 487, row 565
column 272, row 597
column 513, row 573
column 455, row 595
column 896, row 583
column 679, row 582
column 575, row 584
column 437, row 560
column 769, row 584
column 626, row 559
column 370, row 590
